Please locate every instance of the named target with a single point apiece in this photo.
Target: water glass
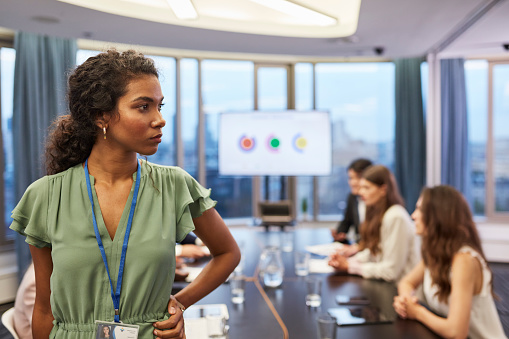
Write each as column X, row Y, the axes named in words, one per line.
column 287, row 241
column 302, row 263
column 271, row 267
column 216, row 326
column 314, row 292
column 237, row 288
column 326, row 326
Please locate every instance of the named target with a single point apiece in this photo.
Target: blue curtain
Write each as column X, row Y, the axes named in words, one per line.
column 454, row 158
column 410, row 138
column 40, row 82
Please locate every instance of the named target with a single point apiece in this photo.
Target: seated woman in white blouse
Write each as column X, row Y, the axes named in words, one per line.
column 388, row 248
column 456, row 281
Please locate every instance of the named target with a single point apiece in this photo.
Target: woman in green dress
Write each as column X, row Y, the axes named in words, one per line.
column 102, row 225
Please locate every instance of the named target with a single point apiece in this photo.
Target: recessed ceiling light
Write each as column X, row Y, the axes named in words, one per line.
column 183, row 9
column 302, row 13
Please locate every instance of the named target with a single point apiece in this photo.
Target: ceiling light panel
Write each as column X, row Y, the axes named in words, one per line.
column 242, row 16
column 306, row 15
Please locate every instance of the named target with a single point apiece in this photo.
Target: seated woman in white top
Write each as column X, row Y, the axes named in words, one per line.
column 387, row 248
column 456, row 281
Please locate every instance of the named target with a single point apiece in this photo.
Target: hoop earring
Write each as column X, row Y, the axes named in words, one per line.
column 104, row 132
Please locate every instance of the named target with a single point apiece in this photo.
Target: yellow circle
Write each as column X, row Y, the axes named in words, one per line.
column 301, row 143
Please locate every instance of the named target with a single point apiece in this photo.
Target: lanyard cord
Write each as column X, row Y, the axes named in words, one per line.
column 115, row 296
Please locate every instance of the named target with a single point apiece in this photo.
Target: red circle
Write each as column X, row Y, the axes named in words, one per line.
column 247, row 143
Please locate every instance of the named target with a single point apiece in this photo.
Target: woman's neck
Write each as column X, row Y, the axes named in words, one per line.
column 111, row 166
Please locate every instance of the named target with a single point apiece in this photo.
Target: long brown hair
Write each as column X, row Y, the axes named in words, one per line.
column 448, row 227
column 370, row 228
column 94, row 89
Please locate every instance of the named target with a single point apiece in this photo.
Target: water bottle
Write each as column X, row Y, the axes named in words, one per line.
column 271, row 267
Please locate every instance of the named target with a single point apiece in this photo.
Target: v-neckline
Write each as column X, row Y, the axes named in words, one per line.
column 103, row 231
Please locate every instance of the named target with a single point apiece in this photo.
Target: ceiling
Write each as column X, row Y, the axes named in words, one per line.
column 386, row 29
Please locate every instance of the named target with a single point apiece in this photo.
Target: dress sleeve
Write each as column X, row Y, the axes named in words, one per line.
column 194, row 199
column 30, row 215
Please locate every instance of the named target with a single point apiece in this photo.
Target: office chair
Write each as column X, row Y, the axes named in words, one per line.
column 8, row 322
column 276, row 213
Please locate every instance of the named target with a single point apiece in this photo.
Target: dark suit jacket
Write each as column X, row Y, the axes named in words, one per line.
column 351, row 218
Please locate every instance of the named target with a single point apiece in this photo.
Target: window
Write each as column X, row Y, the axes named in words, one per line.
column 227, row 86
column 304, row 101
column 7, row 58
column 360, row 98
column 166, row 153
column 500, row 165
column 190, row 112
column 476, row 80
column 272, row 87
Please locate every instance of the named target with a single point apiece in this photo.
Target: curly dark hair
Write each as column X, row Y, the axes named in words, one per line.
column 93, row 90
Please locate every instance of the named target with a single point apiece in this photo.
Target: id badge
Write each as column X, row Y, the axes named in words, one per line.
column 112, row 330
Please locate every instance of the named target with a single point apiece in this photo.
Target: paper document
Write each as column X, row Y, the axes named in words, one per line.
column 193, row 272
column 324, row 249
column 320, row 266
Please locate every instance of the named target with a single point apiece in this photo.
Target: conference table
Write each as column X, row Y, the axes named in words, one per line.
column 281, row 313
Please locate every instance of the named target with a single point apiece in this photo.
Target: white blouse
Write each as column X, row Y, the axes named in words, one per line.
column 399, row 249
column 484, row 319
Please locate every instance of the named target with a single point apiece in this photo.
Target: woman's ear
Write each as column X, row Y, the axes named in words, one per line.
column 102, row 121
column 383, row 189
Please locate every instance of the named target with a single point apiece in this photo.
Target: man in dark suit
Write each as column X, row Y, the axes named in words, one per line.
column 355, row 209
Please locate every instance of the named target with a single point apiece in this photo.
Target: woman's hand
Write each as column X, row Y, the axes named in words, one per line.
column 400, row 306
column 339, row 262
column 412, row 307
column 174, row 326
column 349, row 250
column 406, row 306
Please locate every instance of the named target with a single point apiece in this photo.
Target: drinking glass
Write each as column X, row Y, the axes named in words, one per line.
column 326, row 326
column 237, row 288
column 314, row 291
column 302, row 263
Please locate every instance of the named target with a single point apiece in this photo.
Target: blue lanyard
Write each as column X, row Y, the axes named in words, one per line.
column 114, row 295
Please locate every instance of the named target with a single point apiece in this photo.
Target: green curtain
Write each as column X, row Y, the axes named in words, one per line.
column 40, row 82
column 410, row 138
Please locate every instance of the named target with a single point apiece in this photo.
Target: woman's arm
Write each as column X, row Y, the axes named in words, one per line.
column 407, row 287
column 395, row 243
column 211, row 229
column 42, row 318
column 466, row 275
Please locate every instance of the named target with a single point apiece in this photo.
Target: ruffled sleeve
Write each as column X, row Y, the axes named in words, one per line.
column 192, row 200
column 31, row 213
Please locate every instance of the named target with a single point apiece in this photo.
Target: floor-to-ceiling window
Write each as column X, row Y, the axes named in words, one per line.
column 7, row 59
column 190, row 113
column 304, row 101
column 476, row 80
column 360, row 98
column 272, row 89
column 500, row 133
column 227, row 86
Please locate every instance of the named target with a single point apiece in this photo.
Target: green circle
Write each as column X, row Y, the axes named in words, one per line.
column 274, row 143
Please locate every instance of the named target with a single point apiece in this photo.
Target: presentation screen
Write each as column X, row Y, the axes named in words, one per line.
column 275, row 143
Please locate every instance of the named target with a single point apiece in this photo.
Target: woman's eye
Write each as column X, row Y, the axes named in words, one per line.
column 161, row 106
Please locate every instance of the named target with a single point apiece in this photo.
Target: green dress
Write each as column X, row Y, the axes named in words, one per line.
column 55, row 212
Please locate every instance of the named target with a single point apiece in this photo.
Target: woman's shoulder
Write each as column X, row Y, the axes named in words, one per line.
column 397, row 211
column 164, row 169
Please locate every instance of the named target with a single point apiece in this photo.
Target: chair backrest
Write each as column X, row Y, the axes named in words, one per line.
column 8, row 322
column 276, row 211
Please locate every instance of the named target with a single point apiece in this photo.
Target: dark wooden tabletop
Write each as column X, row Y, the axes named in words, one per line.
column 281, row 313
